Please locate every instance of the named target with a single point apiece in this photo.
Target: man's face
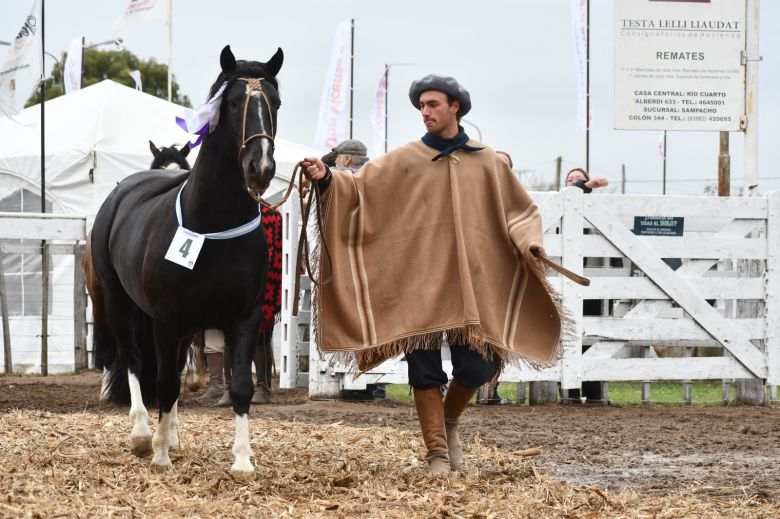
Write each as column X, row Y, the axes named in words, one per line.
column 437, row 114
column 343, row 160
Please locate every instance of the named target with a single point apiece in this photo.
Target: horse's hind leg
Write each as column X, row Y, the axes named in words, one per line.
column 168, row 387
column 141, row 434
column 123, row 315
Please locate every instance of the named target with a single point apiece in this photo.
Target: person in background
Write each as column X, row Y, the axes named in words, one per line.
column 349, row 155
column 578, row 177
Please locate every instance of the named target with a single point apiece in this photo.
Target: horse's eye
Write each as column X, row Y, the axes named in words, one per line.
column 233, row 104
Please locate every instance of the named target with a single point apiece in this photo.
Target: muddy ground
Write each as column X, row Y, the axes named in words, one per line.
column 654, row 450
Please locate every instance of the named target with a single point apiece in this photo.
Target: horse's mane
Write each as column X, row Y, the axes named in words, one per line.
column 252, row 69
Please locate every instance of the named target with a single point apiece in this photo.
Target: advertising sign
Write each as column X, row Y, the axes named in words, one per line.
column 678, row 64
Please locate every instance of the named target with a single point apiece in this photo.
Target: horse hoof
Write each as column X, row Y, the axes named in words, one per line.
column 242, row 469
column 142, row 447
column 159, row 469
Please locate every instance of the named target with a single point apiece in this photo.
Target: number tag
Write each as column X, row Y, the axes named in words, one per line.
column 185, row 248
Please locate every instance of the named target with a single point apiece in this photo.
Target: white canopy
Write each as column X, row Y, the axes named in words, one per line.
column 95, row 137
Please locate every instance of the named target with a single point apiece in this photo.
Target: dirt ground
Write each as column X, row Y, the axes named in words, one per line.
column 653, row 451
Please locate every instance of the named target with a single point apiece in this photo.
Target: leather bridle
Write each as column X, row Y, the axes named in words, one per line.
column 255, row 85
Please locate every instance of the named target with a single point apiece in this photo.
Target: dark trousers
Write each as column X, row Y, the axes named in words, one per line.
column 469, row 368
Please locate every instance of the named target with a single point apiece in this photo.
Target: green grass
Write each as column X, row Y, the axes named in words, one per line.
column 620, row 393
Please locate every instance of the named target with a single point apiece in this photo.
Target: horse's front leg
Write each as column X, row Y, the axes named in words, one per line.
column 242, row 344
column 168, row 386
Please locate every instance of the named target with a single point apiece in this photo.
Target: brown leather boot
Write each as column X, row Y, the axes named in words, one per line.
column 455, row 402
column 430, row 411
column 215, row 363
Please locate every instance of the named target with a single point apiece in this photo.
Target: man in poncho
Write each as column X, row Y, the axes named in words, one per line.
column 435, row 239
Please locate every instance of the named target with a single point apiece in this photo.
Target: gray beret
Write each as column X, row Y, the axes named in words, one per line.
column 445, row 84
column 351, row 147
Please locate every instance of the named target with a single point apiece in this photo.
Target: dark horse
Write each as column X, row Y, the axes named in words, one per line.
column 169, row 157
column 149, row 302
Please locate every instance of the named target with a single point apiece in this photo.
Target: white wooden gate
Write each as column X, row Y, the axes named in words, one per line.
column 648, row 303
column 56, row 340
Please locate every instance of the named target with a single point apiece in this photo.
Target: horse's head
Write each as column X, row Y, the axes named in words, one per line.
column 170, row 157
column 248, row 114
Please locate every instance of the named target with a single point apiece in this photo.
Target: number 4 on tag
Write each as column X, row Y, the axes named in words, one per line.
column 185, row 248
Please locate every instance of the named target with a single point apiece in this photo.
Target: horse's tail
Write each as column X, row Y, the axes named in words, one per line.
column 116, row 386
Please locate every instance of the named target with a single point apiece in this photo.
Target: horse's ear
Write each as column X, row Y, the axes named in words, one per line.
column 275, row 63
column 153, row 148
column 226, row 59
column 185, row 150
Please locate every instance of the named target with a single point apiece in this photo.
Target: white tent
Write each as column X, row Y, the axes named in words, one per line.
column 94, row 138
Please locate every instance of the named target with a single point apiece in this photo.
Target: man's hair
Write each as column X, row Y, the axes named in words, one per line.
column 359, row 160
column 450, row 100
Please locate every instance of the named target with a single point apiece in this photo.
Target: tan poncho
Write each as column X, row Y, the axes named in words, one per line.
column 419, row 248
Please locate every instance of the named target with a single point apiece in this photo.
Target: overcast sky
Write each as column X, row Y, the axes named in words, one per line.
column 514, row 56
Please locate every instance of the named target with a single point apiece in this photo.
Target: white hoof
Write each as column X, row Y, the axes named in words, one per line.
column 243, row 467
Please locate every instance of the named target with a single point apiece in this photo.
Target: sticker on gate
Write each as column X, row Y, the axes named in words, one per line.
column 185, row 248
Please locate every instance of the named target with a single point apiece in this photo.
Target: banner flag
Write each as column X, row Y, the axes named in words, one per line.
column 72, row 68
column 24, row 56
column 333, row 118
column 378, row 114
column 139, row 11
column 580, row 41
column 661, row 146
column 136, row 75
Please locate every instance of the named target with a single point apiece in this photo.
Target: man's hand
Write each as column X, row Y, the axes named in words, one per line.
column 537, row 251
column 313, row 168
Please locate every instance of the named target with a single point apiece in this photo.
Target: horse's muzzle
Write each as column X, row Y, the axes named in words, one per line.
column 259, row 172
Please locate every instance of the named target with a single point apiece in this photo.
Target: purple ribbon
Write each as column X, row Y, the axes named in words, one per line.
column 200, row 133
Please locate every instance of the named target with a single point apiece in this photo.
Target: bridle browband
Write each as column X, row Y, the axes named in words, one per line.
column 255, row 85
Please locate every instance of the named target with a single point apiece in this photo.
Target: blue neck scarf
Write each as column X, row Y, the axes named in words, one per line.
column 447, row 146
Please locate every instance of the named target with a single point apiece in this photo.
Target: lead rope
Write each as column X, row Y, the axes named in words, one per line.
column 303, row 241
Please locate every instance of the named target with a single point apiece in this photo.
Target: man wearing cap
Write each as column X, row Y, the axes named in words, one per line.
column 434, row 239
column 348, row 155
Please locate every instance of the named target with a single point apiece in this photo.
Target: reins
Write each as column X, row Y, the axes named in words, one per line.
column 302, row 260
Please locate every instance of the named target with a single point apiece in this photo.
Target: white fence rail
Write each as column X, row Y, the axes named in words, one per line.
column 721, row 293
column 46, row 251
